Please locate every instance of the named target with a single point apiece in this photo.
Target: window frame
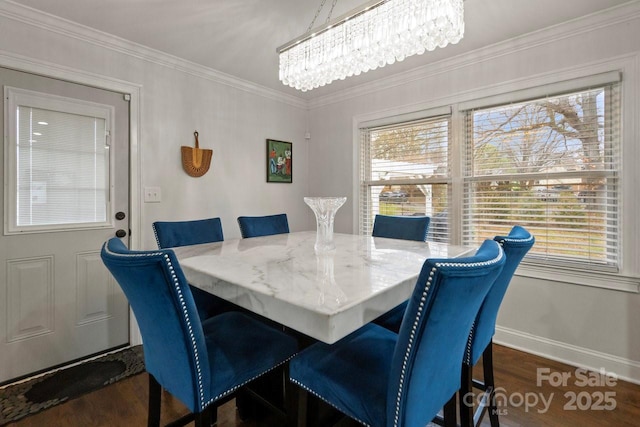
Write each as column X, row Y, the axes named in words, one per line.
column 15, row 97
column 610, row 84
column 363, row 170
column 626, row 279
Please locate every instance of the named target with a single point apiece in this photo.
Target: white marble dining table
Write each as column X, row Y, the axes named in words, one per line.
column 325, row 296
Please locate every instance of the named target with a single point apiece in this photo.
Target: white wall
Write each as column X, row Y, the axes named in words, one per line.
column 235, row 124
column 583, row 325
column 232, row 117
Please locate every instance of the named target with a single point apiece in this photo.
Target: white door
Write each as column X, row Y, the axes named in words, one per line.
column 65, row 182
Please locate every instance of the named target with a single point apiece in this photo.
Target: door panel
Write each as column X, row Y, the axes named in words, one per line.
column 30, row 303
column 58, row 303
column 93, row 287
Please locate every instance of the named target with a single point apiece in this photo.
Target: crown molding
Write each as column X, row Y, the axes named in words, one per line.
column 606, row 18
column 51, row 23
column 609, row 17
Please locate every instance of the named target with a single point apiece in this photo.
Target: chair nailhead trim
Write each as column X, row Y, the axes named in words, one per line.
column 183, row 305
column 517, row 240
column 234, row 388
column 141, row 254
column 419, row 315
column 204, row 404
column 187, row 320
column 467, row 358
column 299, row 384
column 155, row 233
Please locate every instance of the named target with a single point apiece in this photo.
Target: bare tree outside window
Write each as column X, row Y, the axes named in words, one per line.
column 550, row 165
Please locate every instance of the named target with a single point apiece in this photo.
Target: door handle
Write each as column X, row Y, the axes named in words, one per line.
column 121, row 233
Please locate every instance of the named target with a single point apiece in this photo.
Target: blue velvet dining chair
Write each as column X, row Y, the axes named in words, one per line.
column 515, row 246
column 172, row 234
column 201, row 363
column 405, row 228
column 401, row 227
column 256, row 226
column 383, row 379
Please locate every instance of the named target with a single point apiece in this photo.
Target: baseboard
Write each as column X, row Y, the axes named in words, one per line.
column 624, row 369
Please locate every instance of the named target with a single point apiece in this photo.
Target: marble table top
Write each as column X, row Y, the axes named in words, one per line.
column 323, row 296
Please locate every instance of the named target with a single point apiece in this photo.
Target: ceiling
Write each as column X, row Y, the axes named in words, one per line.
column 240, row 37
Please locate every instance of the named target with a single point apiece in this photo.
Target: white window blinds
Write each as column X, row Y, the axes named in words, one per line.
column 405, row 171
column 550, row 164
column 59, row 163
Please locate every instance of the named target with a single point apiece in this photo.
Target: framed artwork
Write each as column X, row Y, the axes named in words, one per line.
column 279, row 161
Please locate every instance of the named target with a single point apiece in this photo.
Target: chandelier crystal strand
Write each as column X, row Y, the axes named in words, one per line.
column 389, row 31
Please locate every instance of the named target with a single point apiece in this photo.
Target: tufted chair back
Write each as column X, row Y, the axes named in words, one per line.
column 174, row 348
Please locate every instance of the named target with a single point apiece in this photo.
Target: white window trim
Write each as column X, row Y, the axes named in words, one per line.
column 397, row 116
column 14, row 97
column 551, row 89
column 628, row 277
column 581, row 277
column 379, row 120
column 533, row 96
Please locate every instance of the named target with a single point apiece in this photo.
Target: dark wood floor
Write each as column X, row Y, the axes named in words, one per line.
column 125, row 403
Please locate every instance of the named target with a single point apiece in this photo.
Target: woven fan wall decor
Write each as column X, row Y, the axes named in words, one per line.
column 195, row 161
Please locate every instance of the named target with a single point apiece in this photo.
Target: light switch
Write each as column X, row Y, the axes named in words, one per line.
column 152, row 195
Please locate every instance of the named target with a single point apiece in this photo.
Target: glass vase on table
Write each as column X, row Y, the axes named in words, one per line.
column 325, row 209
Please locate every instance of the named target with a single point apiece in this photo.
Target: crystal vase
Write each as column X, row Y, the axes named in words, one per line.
column 330, row 294
column 325, row 209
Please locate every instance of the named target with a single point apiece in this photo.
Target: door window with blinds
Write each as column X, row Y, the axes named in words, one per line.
column 57, row 163
column 552, row 165
column 405, row 171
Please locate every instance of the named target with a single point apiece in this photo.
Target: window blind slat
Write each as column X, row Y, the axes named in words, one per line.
column 62, row 168
column 405, row 171
column 550, row 164
column 547, row 158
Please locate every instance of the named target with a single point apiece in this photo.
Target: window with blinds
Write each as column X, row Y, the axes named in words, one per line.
column 551, row 164
column 405, row 171
column 58, row 162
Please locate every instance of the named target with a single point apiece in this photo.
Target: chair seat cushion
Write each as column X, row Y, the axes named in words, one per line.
column 241, row 348
column 351, row 374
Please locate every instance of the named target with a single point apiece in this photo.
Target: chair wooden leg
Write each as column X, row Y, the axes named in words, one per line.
column 290, row 399
column 155, row 401
column 465, row 396
column 449, row 412
column 303, row 402
column 203, row 419
column 244, row 405
column 213, row 415
column 487, row 366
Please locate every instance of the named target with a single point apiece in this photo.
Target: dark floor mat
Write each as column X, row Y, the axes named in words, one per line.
column 32, row 396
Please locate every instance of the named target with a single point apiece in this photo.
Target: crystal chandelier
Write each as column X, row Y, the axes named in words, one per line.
column 378, row 33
